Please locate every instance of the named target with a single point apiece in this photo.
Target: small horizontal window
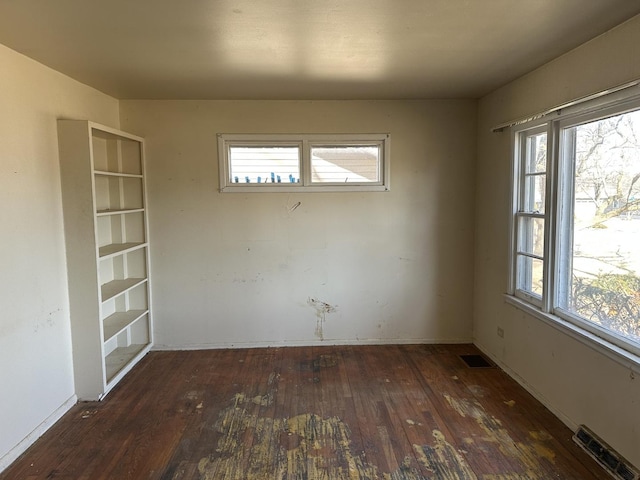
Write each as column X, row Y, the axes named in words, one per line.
column 252, row 163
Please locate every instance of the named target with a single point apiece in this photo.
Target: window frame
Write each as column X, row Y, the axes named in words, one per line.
column 559, row 195
column 305, row 143
column 519, row 199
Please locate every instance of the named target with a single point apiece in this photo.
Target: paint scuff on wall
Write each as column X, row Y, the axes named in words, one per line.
column 322, row 309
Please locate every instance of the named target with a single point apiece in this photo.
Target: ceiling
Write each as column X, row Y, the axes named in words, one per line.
column 301, row 49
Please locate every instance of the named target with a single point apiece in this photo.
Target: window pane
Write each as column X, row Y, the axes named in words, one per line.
column 605, row 247
column 536, row 160
column 264, row 164
column 530, row 274
column 345, row 164
column 531, row 235
column 535, row 190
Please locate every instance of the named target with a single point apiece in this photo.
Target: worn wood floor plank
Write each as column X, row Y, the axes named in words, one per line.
column 471, row 430
column 403, row 412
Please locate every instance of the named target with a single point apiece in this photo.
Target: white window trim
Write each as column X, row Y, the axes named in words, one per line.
column 305, row 143
column 517, row 147
column 619, row 355
column 545, row 309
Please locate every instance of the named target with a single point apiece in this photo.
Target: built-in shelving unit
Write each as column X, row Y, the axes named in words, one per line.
column 105, row 216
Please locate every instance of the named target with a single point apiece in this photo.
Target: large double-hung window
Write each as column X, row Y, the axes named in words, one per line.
column 576, row 221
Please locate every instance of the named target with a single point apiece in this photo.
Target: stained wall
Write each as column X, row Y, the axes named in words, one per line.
column 233, row 269
column 35, row 336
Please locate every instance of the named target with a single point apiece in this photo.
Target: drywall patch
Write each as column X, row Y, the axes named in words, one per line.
column 322, row 309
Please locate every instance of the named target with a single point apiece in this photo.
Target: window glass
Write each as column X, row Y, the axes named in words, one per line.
column 535, row 170
column 603, row 253
column 536, row 159
column 530, row 222
column 531, row 236
column 264, row 164
column 535, row 191
column 530, row 271
column 345, row 164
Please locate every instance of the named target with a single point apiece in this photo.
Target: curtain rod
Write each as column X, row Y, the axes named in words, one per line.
column 556, row 109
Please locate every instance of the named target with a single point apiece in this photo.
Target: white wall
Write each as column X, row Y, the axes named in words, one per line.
column 579, row 384
column 239, row 269
column 36, row 377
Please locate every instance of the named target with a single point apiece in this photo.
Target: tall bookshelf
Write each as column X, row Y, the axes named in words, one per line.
column 106, row 234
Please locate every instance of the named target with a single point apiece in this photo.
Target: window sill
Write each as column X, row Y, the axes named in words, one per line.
column 302, row 188
column 615, row 353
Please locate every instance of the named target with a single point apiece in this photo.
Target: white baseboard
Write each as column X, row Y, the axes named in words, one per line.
column 30, row 439
column 529, row 388
column 307, row 343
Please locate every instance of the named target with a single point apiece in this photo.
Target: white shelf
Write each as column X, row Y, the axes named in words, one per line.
column 117, row 322
column 120, row 357
column 101, row 213
column 116, row 174
column 116, row 287
column 102, row 172
column 118, row 248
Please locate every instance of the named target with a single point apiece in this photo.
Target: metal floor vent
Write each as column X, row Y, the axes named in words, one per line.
column 476, row 361
column 602, row 453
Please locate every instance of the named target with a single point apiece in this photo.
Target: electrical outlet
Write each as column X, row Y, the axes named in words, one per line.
column 500, row 332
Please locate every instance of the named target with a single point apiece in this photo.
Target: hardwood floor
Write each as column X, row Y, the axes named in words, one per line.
column 372, row 412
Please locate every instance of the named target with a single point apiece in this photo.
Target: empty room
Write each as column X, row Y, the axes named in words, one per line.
column 320, row 240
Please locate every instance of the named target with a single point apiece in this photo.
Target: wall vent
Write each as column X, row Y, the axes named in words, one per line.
column 476, row 361
column 602, row 453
